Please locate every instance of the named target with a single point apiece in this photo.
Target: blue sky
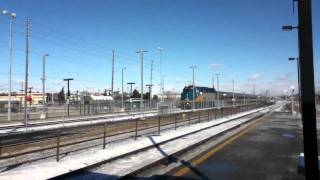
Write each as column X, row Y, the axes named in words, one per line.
column 241, row 39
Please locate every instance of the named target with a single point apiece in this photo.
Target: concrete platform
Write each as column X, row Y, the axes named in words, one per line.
column 270, row 150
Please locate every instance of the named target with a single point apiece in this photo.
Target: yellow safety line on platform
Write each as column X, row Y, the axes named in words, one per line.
column 215, row 149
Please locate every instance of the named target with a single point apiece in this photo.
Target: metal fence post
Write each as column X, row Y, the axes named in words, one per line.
column 58, row 144
column 189, row 119
column 0, row 148
column 104, row 134
column 215, row 114
column 208, row 115
column 136, row 134
column 159, row 124
column 175, row 123
column 199, row 116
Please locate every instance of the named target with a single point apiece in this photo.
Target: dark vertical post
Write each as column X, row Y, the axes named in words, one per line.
column 199, row 116
column 104, row 135
column 307, row 90
column 58, row 144
column 208, row 115
column 68, row 93
column 0, row 148
column 189, row 119
column 175, row 123
column 136, row 135
column 215, row 114
column 159, row 124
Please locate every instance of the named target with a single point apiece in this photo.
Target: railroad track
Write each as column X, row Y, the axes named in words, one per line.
column 131, row 155
column 80, row 119
column 59, row 142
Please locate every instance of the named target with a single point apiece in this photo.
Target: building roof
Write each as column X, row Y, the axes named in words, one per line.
column 101, row 98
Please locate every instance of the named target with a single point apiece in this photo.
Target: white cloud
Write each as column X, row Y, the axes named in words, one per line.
column 254, row 77
column 285, row 77
column 216, row 65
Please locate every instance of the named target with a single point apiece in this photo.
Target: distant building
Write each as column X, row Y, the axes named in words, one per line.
column 34, row 98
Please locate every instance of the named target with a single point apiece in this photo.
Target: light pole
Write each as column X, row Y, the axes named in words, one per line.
column 160, row 57
column 307, row 88
column 131, row 83
column 298, row 74
column 44, row 80
column 68, row 93
column 150, row 97
column 11, row 17
column 224, row 99
column 122, row 86
column 193, row 87
column 292, row 99
column 286, row 93
column 233, row 99
column 218, row 96
column 163, row 76
column 141, row 51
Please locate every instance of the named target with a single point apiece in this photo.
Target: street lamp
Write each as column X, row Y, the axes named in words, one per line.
column 292, row 105
column 68, row 93
column 233, row 99
column 286, row 93
column 11, row 17
column 131, row 83
column 163, row 76
column 150, row 96
column 289, row 28
column 141, row 51
column 218, row 95
column 298, row 74
column 160, row 57
column 44, row 79
column 193, row 87
column 122, row 86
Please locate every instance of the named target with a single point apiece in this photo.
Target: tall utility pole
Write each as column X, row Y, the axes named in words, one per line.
column 130, row 83
column 30, row 92
column 26, row 74
column 307, row 90
column 193, row 87
column 112, row 71
column 162, row 90
column 11, row 17
column 141, row 51
column 218, row 95
column 150, row 85
column 233, row 99
column 122, row 86
column 44, row 80
column 298, row 74
column 150, row 98
column 254, row 87
column 160, row 57
column 68, row 93
column 213, row 81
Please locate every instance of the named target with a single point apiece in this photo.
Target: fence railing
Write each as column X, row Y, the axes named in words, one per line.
column 59, row 142
column 99, row 108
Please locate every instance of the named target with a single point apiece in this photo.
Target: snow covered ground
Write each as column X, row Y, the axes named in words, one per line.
column 48, row 168
column 86, row 121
